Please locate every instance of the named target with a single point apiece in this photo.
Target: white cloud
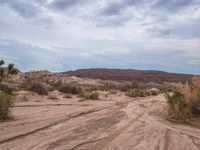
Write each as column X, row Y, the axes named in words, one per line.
column 98, row 30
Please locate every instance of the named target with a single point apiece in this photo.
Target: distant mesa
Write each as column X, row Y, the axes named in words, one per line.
column 144, row 76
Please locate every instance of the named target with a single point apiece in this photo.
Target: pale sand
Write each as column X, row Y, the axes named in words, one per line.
column 116, row 122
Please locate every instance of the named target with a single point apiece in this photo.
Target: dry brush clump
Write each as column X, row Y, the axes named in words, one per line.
column 184, row 102
column 5, row 104
column 177, row 106
column 67, row 96
column 35, row 83
column 7, row 88
column 52, row 97
column 38, row 88
column 70, row 89
column 136, row 93
column 94, row 95
column 115, row 85
column 5, row 98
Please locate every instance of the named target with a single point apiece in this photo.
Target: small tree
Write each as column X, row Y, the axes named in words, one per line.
column 2, row 62
column 10, row 69
column 5, row 99
column 1, row 70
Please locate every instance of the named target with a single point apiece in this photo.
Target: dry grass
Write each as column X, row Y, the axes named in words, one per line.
column 70, row 89
column 89, row 95
column 196, row 81
column 67, row 96
column 5, row 104
column 184, row 102
column 177, row 106
column 25, row 98
column 113, row 92
column 93, row 96
column 39, row 89
column 136, row 93
column 52, row 97
column 106, row 95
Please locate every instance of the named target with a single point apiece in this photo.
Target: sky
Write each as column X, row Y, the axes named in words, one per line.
column 61, row 35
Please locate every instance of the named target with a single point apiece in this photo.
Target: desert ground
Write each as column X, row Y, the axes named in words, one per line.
column 113, row 122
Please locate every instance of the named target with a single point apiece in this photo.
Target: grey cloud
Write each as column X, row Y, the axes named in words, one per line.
column 172, row 5
column 184, row 30
column 41, row 2
column 115, row 8
column 113, row 21
column 64, row 4
column 24, row 9
column 112, row 9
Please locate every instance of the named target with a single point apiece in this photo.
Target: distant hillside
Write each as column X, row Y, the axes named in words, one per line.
column 144, row 76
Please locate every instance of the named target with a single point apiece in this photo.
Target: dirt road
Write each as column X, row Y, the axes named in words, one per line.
column 116, row 122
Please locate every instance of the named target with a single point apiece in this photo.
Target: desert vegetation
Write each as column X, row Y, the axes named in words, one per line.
column 70, row 89
column 5, row 98
column 5, row 104
column 56, row 110
column 93, row 95
column 38, row 88
column 136, row 93
column 184, row 101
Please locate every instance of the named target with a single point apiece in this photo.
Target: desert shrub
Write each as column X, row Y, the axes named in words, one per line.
column 106, row 95
column 184, row 101
column 39, row 89
column 196, row 81
column 121, row 86
column 148, row 93
column 93, row 96
column 127, row 86
column 136, row 93
column 113, row 92
column 90, row 88
column 177, row 106
column 5, row 104
column 69, row 89
column 152, row 91
column 55, row 84
column 82, row 93
column 31, row 79
column 67, row 96
column 52, row 97
column 6, row 88
column 25, row 98
column 89, row 95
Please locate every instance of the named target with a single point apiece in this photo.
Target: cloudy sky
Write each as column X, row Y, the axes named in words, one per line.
column 61, row 35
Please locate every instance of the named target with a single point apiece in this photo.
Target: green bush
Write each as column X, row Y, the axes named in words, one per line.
column 93, row 96
column 82, row 94
column 6, row 88
column 5, row 104
column 38, row 88
column 177, row 106
column 69, row 89
column 136, row 93
column 89, row 95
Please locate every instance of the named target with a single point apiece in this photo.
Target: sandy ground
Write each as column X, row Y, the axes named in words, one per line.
column 116, row 122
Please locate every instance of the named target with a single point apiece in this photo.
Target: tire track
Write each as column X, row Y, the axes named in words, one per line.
column 108, row 140
column 50, row 125
column 46, row 105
